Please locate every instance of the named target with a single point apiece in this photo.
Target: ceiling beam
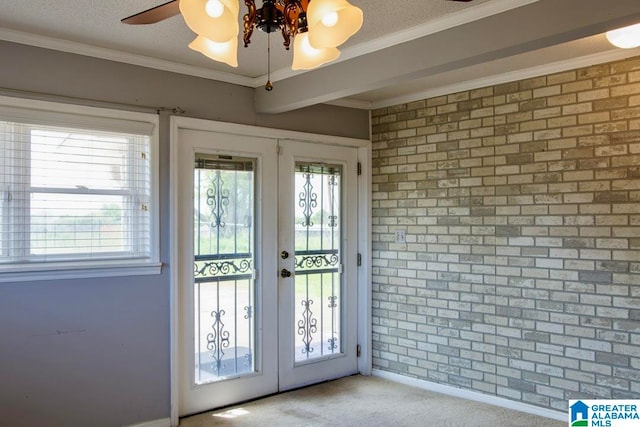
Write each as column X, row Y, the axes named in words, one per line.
column 534, row 26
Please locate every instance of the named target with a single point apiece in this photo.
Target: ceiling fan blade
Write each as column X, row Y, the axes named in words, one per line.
column 155, row 14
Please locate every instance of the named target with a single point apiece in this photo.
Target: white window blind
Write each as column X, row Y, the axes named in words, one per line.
column 76, row 191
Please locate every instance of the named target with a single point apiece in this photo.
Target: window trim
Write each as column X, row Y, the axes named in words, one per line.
column 90, row 118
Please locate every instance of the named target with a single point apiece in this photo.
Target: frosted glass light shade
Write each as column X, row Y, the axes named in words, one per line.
column 626, row 37
column 226, row 52
column 327, row 31
column 220, row 29
column 306, row 57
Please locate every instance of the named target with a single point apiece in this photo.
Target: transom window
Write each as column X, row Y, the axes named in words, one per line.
column 77, row 192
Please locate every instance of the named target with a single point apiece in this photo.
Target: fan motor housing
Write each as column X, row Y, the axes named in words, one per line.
column 269, row 18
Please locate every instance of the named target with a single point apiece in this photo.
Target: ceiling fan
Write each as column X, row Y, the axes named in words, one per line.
column 316, row 27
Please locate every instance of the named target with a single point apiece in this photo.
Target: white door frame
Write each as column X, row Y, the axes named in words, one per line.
column 364, row 231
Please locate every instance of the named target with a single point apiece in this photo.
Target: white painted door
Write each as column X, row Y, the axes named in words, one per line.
column 318, row 262
column 245, row 331
column 227, row 273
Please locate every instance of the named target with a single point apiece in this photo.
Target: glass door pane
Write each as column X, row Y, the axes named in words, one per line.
column 318, row 284
column 223, row 266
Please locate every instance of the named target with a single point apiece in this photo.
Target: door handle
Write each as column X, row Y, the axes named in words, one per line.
column 284, row 273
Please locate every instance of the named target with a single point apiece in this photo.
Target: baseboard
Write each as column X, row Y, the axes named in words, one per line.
column 471, row 395
column 164, row 422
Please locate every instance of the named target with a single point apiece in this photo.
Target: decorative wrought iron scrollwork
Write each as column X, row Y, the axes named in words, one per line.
column 318, row 261
column 307, row 199
column 221, row 267
column 218, row 339
column 332, row 301
column 307, row 326
column 332, row 343
column 249, row 311
column 218, row 199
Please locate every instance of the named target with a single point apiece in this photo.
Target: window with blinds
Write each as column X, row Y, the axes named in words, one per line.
column 76, row 190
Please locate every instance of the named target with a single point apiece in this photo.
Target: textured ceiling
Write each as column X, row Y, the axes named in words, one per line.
column 97, row 23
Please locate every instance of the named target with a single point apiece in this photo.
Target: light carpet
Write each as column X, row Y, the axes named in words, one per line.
column 365, row 401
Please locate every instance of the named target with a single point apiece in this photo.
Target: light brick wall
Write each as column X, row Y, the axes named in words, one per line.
column 520, row 277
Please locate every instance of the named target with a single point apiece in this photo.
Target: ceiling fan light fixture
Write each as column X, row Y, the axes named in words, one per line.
column 226, row 52
column 626, row 37
column 199, row 15
column 332, row 22
column 307, row 57
column 315, row 27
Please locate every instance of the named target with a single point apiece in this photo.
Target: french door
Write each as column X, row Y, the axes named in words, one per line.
column 318, row 259
column 267, row 284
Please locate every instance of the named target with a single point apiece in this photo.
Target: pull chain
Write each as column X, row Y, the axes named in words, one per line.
column 269, row 86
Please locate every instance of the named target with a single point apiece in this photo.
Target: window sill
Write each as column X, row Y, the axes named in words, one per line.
column 77, row 271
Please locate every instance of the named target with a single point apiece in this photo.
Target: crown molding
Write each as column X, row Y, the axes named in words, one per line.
column 119, row 56
column 541, row 70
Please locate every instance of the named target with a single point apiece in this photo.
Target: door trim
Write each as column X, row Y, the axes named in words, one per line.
column 364, row 232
